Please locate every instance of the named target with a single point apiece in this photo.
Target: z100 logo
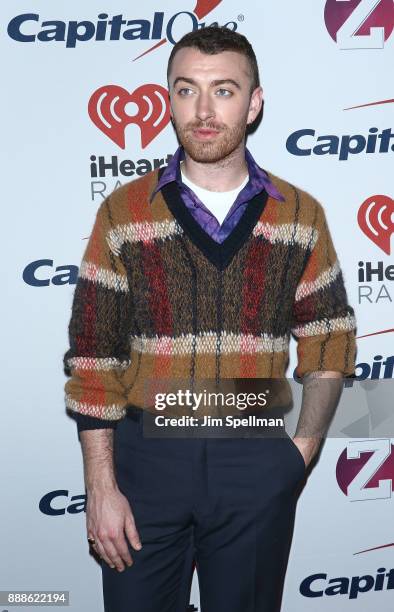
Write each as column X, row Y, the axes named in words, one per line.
column 365, row 469
column 359, row 24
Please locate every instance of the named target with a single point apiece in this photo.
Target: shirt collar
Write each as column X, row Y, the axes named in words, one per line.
column 258, row 178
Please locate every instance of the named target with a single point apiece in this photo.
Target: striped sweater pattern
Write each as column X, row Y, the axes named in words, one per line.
column 156, row 297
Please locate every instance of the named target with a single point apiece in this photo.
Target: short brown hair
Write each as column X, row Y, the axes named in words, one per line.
column 216, row 39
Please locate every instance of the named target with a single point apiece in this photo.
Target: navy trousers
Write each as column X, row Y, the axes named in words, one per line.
column 226, row 505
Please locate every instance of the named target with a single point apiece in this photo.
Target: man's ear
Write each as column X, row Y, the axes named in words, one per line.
column 255, row 104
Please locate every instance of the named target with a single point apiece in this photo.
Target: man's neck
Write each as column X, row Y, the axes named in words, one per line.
column 223, row 175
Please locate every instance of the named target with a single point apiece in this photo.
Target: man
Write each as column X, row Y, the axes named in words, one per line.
column 202, row 270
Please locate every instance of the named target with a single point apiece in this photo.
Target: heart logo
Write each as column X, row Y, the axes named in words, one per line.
column 376, row 219
column 107, row 110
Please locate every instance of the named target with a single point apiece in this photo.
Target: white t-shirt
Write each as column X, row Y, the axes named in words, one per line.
column 218, row 202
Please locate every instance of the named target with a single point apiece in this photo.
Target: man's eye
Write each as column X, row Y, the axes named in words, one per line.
column 227, row 93
column 183, row 91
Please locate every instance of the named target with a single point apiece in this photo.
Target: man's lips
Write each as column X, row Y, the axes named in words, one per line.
column 205, row 132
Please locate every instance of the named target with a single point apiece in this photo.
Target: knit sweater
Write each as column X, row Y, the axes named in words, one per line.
column 157, row 297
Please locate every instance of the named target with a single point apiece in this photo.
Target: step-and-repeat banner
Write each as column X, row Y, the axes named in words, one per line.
column 75, row 79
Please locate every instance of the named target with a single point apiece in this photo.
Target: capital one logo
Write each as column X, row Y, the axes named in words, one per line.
column 376, row 219
column 359, row 24
column 31, row 28
column 365, row 469
column 107, row 109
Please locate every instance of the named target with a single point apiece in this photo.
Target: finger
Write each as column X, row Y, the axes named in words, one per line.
column 112, row 553
column 99, row 548
column 132, row 533
column 123, row 550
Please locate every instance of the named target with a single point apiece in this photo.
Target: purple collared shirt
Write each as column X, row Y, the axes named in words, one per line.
column 258, row 181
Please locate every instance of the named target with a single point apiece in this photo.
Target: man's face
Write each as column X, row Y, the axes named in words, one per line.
column 211, row 103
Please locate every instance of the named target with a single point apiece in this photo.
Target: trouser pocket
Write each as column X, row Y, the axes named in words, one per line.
column 298, row 458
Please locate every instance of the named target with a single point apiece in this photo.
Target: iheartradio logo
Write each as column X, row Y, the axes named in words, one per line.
column 107, row 110
column 376, row 219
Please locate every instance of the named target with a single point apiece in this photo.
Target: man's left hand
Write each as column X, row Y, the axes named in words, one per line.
column 308, row 447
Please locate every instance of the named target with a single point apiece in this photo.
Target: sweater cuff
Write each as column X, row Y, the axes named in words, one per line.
column 87, row 422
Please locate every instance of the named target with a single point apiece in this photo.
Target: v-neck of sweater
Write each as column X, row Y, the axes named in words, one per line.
column 219, row 254
column 218, row 203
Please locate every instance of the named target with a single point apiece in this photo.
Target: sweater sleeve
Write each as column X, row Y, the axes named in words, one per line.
column 323, row 322
column 87, row 422
column 99, row 340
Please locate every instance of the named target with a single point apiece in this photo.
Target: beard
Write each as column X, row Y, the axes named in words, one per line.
column 223, row 144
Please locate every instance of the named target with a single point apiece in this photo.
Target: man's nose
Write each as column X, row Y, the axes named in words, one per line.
column 205, row 109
